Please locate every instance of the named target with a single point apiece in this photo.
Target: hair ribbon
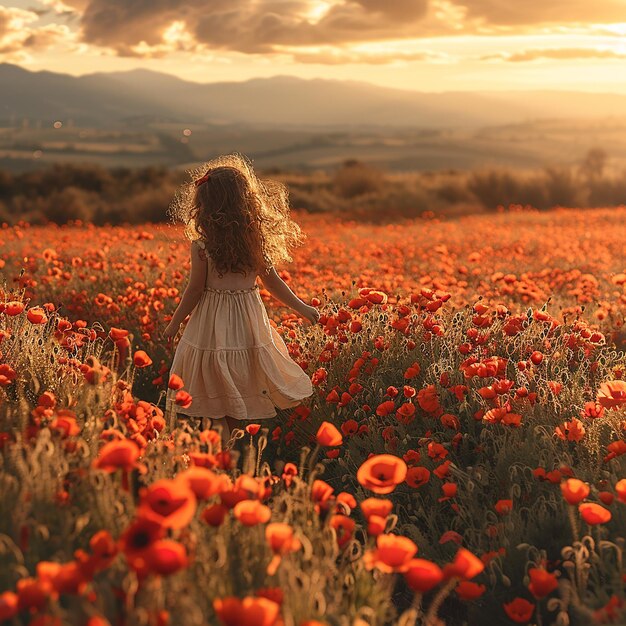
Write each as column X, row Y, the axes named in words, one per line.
column 202, row 180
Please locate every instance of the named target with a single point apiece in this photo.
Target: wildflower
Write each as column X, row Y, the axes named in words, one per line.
column 328, row 435
column 251, row 512
column 503, row 507
column 468, row 590
column 349, row 427
column 519, row 610
column 392, row 554
column 141, row 359
column 380, row 507
column 612, row 394
column 8, row 605
column 202, row 481
column 281, row 540
column 171, row 502
column 574, row 490
column 344, row 528
column 465, row 566
column 417, row 476
column 36, row 315
column 541, row 582
column 165, row 557
column 571, row 431
column 137, row 538
column 381, row 473
column 451, row 535
column 183, row 399
column 422, row 575
column 428, row 399
column 594, row 513
column 214, row 515
column 122, row 454
column 620, row 488
column 412, row 371
column 250, row 611
column 175, row 382
column 13, row 308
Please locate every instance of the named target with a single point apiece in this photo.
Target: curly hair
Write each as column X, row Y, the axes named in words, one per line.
column 243, row 221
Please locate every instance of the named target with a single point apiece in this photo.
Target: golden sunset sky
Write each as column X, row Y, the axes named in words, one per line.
column 424, row 45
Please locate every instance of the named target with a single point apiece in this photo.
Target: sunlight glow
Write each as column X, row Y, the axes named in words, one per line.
column 317, row 10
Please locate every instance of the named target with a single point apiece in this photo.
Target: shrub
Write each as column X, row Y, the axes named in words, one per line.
column 355, row 179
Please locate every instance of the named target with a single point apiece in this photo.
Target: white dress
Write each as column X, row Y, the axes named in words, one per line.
column 233, row 361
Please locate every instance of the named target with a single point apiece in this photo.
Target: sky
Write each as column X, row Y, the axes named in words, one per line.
column 422, row 45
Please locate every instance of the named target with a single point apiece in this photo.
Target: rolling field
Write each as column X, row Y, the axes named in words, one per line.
column 461, row 461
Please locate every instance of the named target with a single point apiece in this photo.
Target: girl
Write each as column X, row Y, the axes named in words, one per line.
column 231, row 360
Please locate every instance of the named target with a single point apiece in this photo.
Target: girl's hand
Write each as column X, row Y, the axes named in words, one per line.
column 171, row 331
column 311, row 314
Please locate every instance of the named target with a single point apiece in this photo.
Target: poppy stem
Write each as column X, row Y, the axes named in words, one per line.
column 572, row 521
column 313, row 457
column 538, row 614
column 443, row 593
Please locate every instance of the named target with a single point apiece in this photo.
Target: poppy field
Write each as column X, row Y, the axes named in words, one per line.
column 462, row 459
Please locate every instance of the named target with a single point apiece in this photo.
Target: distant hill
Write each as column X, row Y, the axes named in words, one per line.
column 140, row 97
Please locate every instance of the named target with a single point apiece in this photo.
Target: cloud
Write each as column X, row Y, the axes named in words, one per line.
column 337, row 56
column 18, row 36
column 557, row 53
column 247, row 26
column 535, row 12
column 331, row 32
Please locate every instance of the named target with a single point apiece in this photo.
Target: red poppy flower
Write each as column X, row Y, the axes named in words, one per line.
column 328, row 435
column 376, row 506
column 612, row 394
column 574, row 490
column 381, row 473
column 253, row 429
column 344, row 527
column 541, row 582
column 122, row 454
column 165, row 557
column 183, row 399
column 594, row 513
column 8, row 605
column 422, row 575
column 392, row 554
column 141, row 359
column 171, row 502
column 465, row 565
column 13, row 308
column 36, row 315
column 503, row 507
column 250, row 611
column 251, row 512
column 203, row 482
column 468, row 590
column 175, row 382
column 519, row 610
column 214, row 515
column 138, row 537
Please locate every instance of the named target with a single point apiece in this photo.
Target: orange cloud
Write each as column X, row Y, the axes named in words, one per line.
column 321, row 31
column 557, row 53
column 18, row 36
column 534, row 12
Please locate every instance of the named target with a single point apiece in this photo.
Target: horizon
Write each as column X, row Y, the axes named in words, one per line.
column 427, row 46
column 316, row 78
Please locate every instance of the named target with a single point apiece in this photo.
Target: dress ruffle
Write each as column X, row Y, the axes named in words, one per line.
column 234, row 362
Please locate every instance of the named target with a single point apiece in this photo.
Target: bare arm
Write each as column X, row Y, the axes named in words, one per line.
column 281, row 291
column 193, row 291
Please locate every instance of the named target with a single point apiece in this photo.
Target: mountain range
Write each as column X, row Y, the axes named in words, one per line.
column 141, row 97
